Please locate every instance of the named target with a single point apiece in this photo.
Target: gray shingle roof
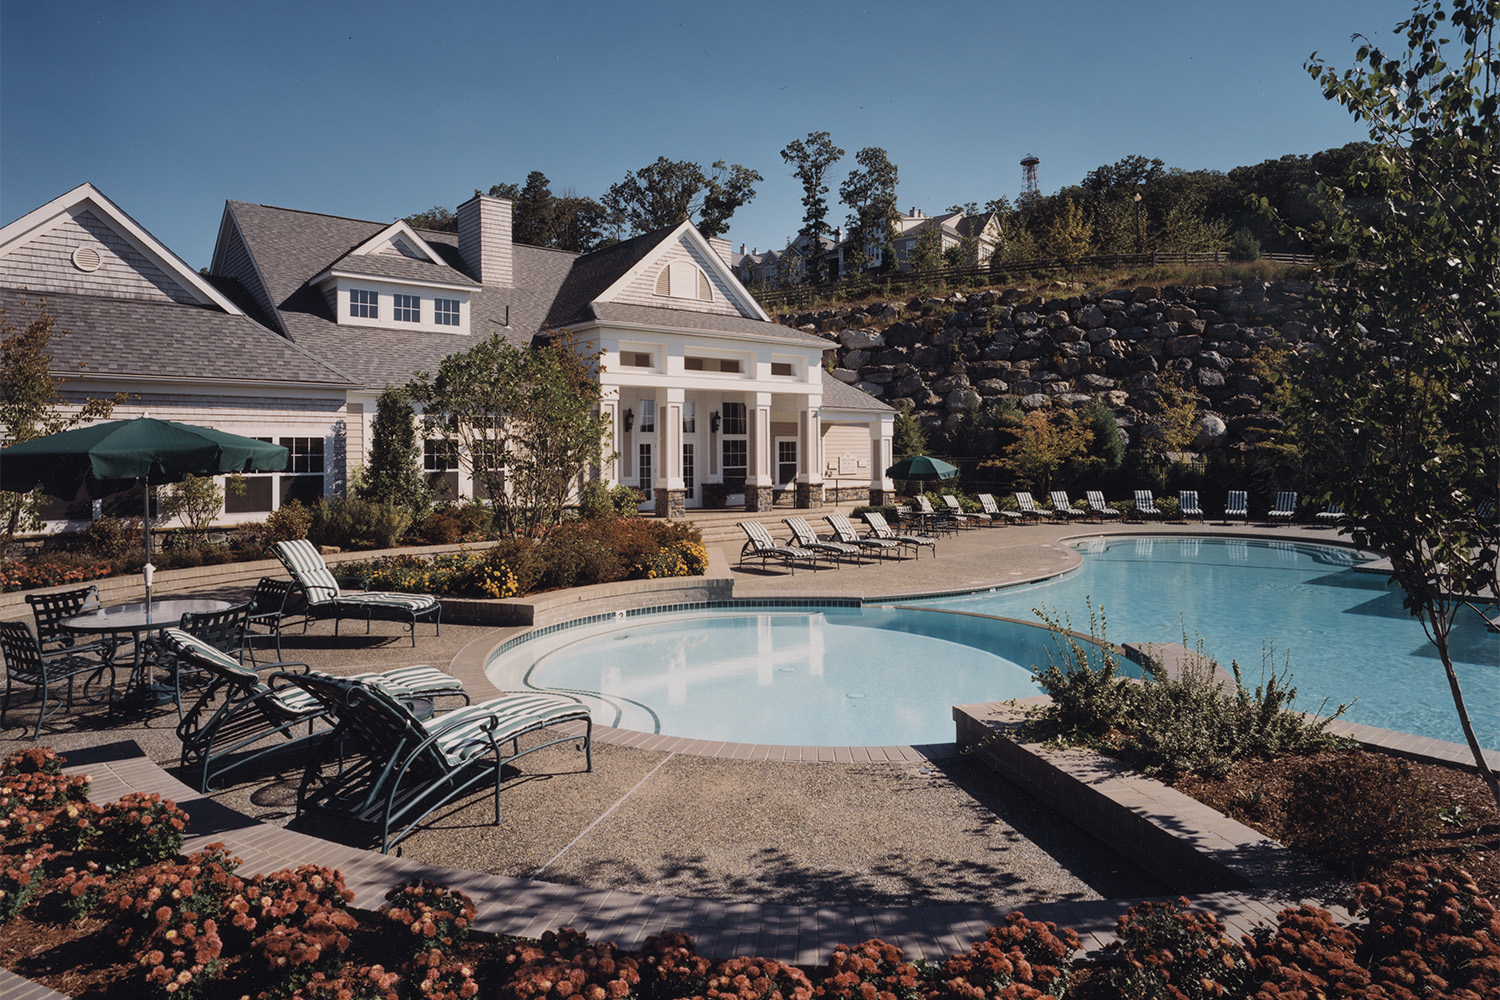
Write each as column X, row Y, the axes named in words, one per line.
column 841, row 396
column 166, row 340
column 384, row 265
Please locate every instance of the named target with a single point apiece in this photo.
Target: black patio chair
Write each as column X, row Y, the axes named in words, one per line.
column 28, row 665
column 50, row 611
column 273, row 602
column 385, row 767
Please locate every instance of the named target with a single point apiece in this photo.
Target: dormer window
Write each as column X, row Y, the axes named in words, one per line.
column 683, row 279
column 408, row 308
column 364, row 303
column 445, row 312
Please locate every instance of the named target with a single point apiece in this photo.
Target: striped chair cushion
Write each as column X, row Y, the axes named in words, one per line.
column 412, row 681
column 294, row 701
column 307, row 567
column 384, row 599
column 463, row 731
column 189, row 646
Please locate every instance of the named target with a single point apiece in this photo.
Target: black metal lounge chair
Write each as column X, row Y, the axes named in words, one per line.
column 992, row 507
column 879, row 529
column 1098, row 507
column 393, row 770
column 1145, row 505
column 845, row 532
column 273, row 602
column 1237, row 504
column 807, row 538
column 326, row 600
column 957, row 512
column 1063, row 508
column 1187, row 505
column 28, row 665
column 1284, row 508
column 1029, row 508
column 237, row 709
column 760, row 545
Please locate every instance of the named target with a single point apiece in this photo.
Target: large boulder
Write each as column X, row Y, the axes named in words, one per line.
column 861, row 339
column 1209, row 431
column 846, row 375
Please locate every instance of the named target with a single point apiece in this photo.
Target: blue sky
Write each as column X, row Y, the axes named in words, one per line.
column 378, row 109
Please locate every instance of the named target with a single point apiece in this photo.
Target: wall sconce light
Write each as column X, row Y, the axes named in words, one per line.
column 629, row 420
column 713, row 421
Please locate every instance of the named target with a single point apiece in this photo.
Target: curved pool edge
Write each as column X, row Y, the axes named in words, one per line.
column 469, row 665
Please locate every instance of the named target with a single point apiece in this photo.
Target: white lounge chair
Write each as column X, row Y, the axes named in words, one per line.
column 1332, row 514
column 807, row 538
column 1187, row 505
column 1063, row 507
column 1236, row 505
column 1284, row 508
column 879, row 529
column 847, row 534
column 1145, row 504
column 1098, row 507
column 1030, row 509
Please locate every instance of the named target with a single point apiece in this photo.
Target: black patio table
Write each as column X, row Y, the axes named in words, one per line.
column 136, row 619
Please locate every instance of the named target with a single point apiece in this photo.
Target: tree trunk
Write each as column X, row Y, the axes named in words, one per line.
column 1440, row 640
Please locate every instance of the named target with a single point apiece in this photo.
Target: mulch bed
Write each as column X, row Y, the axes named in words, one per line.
column 1258, row 792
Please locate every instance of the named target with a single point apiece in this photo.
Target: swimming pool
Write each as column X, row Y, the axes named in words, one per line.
column 834, row 676
column 878, row 676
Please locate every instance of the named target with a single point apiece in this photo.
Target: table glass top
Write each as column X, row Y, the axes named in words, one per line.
column 140, row 615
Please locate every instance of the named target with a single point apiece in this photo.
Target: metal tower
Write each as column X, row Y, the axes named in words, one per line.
column 1028, row 174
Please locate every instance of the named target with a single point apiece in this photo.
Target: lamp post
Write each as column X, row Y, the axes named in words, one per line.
column 1137, row 200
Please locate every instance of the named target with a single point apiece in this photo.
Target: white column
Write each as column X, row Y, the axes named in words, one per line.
column 669, row 438
column 809, row 446
column 882, row 433
column 609, row 409
column 758, row 413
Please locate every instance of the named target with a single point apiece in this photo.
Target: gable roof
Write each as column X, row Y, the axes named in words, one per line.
column 841, row 396
column 85, row 199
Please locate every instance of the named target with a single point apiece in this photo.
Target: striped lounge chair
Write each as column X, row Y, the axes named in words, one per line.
column 1187, row 505
column 992, row 508
column 1029, row 508
column 1237, row 504
column 237, row 711
column 1063, row 507
column 881, row 530
column 1098, row 507
column 807, row 538
column 1284, row 508
column 385, row 767
column 760, row 545
column 325, row 599
column 1145, row 505
column 845, row 532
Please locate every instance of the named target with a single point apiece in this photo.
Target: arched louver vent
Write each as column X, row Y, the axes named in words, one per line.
column 705, row 289
column 664, row 281
column 87, row 259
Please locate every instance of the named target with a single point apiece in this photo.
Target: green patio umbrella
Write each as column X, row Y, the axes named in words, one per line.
column 922, row 467
column 113, row 455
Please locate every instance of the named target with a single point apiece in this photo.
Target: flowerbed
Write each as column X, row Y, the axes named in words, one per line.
column 25, row 574
column 574, row 554
column 118, row 912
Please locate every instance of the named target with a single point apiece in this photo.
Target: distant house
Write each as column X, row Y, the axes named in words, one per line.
column 979, row 234
column 776, row 268
column 304, row 318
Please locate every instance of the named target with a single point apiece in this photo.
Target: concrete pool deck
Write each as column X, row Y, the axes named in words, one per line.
column 753, row 853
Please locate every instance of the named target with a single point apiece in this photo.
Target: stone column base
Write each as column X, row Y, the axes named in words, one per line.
column 879, row 497
column 759, row 498
column 809, row 494
column 671, row 503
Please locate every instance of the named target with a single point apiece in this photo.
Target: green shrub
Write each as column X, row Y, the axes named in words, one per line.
column 595, row 502
column 105, row 538
column 459, row 522
column 1358, row 812
column 287, row 523
column 352, row 523
column 1090, row 698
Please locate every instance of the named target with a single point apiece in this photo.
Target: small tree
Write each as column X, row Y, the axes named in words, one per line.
column 1397, row 406
column 197, row 500
column 32, row 404
column 1069, row 236
column 526, row 423
column 1044, row 444
column 927, row 251
column 906, row 435
column 394, row 475
column 1173, row 427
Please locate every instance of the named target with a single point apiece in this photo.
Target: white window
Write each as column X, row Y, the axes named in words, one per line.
column 445, row 312
column 876, row 255
column 648, row 416
column 408, row 309
column 646, row 481
column 734, row 418
column 689, row 417
column 439, row 454
column 729, row 366
column 301, row 480
column 364, row 303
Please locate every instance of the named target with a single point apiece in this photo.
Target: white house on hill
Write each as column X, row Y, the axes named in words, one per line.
column 303, row 319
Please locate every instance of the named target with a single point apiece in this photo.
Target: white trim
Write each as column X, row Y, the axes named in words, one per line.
column 661, row 329
column 84, row 197
column 744, row 302
column 323, row 277
column 397, row 228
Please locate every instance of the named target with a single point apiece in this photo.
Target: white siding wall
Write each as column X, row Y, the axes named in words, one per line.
column 642, row 291
column 846, row 452
column 45, row 264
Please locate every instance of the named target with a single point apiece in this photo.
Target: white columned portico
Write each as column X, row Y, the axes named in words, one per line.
column 809, row 458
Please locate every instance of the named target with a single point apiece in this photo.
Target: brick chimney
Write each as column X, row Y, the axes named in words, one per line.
column 484, row 239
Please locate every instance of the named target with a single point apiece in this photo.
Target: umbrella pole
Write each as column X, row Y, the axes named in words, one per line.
column 148, row 569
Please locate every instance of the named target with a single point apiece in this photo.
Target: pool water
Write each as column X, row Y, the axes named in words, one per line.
column 880, row 676
column 1343, row 634
column 874, row 676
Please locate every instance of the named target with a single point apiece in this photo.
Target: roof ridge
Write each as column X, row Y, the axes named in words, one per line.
column 325, row 215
